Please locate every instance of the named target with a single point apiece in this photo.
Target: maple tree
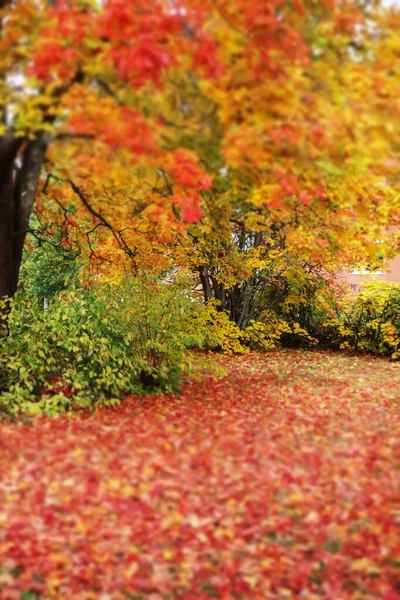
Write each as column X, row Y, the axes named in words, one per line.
column 273, row 126
column 253, row 147
column 77, row 70
column 307, row 179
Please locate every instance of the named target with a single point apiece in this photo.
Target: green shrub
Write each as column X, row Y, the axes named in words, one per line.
column 222, row 334
column 90, row 346
column 49, row 267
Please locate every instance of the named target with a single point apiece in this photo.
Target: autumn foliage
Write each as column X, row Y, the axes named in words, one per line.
column 279, row 481
column 181, row 182
column 273, row 126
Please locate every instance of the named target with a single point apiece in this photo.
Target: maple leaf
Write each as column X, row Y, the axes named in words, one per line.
column 191, row 210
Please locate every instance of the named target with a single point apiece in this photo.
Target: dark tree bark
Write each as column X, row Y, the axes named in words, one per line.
column 205, row 283
column 242, row 301
column 21, row 162
column 17, row 194
column 9, row 148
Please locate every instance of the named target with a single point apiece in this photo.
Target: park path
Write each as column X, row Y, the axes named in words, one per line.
column 279, row 481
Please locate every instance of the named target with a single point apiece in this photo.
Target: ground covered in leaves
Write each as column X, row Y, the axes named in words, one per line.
column 279, row 481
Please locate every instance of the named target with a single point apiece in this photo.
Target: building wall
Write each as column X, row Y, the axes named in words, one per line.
column 391, row 274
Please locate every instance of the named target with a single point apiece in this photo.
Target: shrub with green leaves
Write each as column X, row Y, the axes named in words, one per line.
column 331, row 314
column 49, row 267
column 90, row 346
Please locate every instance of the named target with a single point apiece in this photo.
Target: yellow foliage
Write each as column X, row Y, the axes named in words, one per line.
column 266, row 333
column 369, row 320
column 223, row 332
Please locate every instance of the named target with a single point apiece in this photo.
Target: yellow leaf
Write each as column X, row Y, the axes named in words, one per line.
column 132, row 570
column 295, row 498
column 114, row 484
column 60, row 558
column 365, row 565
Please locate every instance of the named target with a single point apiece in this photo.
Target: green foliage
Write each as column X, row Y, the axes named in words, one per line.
column 305, row 309
column 287, row 312
column 90, row 346
column 65, row 356
column 49, row 269
column 162, row 321
column 271, row 330
column 320, row 312
column 93, row 346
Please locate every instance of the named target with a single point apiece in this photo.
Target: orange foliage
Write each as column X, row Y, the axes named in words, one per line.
column 296, row 100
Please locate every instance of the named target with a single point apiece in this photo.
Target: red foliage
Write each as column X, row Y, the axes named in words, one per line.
column 206, row 57
column 186, row 171
column 278, row 481
column 135, row 38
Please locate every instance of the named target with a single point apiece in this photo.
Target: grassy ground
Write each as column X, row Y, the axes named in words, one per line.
column 279, row 481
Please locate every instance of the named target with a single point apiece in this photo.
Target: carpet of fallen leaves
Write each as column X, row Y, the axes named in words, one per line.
column 280, row 480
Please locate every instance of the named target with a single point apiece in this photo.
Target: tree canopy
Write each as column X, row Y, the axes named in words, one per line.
column 230, row 139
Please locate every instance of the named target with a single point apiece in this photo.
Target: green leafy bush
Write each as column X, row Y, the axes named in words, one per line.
column 272, row 330
column 90, row 346
column 222, row 334
column 288, row 312
column 49, row 267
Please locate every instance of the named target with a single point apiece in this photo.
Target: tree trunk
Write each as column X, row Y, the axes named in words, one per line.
column 9, row 147
column 17, row 195
column 205, row 284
